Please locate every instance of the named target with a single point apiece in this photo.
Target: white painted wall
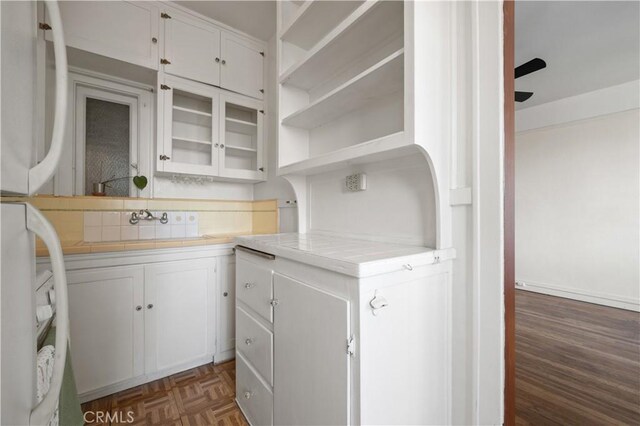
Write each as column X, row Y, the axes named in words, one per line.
column 398, row 205
column 577, row 209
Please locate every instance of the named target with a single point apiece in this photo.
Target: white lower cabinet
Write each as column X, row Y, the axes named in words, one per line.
column 107, row 325
column 226, row 307
column 343, row 346
column 135, row 323
column 311, row 329
column 179, row 317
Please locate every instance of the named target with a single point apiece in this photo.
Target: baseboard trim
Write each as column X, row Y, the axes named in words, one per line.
column 583, row 296
column 139, row 380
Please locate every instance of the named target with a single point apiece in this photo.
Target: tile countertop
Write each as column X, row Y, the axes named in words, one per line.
column 357, row 258
column 81, row 247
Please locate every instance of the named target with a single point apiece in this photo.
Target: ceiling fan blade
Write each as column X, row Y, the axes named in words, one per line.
column 529, row 67
column 523, row 96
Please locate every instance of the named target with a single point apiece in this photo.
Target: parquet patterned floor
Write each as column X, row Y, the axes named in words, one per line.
column 200, row 396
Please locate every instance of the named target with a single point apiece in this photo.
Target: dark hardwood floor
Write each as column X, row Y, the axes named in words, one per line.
column 200, row 396
column 576, row 363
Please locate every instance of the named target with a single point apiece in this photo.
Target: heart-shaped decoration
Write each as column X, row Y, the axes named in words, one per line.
column 140, row 182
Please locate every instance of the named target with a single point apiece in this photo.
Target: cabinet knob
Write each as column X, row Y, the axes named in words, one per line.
column 274, row 302
column 221, row 146
column 217, row 145
column 225, row 294
column 248, row 342
column 261, row 169
column 249, row 285
column 217, row 59
column 224, row 62
column 138, row 308
column 248, row 394
column 154, row 40
column 150, row 306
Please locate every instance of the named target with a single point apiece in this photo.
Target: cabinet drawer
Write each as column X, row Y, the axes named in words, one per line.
column 254, row 287
column 256, row 343
column 254, row 398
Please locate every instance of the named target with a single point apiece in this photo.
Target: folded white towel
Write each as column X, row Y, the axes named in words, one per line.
column 45, row 371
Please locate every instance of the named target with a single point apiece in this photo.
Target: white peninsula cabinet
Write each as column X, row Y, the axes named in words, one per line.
column 139, row 316
column 329, row 330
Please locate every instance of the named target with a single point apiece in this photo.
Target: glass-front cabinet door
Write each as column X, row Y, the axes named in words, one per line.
column 190, row 130
column 241, row 138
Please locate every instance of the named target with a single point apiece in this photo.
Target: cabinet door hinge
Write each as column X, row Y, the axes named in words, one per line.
column 351, row 346
column 164, row 61
column 165, row 87
column 44, row 26
column 165, row 15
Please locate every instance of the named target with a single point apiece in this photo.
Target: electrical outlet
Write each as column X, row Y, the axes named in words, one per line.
column 356, row 182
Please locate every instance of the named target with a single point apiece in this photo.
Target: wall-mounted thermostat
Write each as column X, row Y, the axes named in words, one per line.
column 357, row 182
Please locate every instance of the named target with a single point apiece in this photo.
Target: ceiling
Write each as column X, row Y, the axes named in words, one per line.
column 256, row 18
column 588, row 45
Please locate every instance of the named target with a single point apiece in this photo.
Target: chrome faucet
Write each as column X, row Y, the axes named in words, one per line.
column 147, row 215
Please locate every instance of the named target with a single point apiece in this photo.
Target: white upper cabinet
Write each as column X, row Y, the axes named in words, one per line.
column 209, row 132
column 189, row 127
column 241, row 145
column 191, row 48
column 123, row 30
column 200, row 51
column 242, row 66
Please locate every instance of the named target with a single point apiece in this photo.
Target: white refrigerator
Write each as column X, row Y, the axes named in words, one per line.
column 20, row 221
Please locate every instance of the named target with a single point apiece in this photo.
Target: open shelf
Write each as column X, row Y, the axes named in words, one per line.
column 386, row 147
column 191, row 111
column 240, row 150
column 371, row 24
column 377, row 82
column 314, row 19
column 191, row 141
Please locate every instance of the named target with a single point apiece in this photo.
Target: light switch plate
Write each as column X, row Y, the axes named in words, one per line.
column 356, row 182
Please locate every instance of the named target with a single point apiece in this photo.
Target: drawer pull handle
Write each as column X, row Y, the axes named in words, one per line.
column 248, row 342
column 248, row 394
column 249, row 285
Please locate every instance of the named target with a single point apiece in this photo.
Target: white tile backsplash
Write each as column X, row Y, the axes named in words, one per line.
column 111, row 233
column 147, row 232
column 176, row 218
column 192, row 231
column 178, row 231
column 110, row 219
column 129, row 232
column 93, row 234
column 163, row 232
column 191, row 218
column 115, row 226
column 92, row 219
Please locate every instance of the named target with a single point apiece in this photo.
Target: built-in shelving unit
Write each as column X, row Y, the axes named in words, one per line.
column 377, row 82
column 341, row 83
column 312, row 20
